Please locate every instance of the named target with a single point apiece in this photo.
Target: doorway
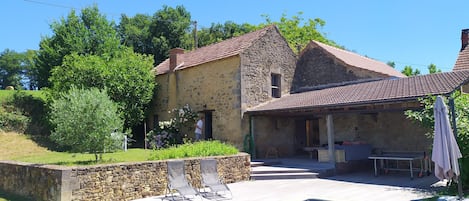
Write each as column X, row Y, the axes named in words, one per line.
column 208, row 114
column 306, row 134
column 312, row 133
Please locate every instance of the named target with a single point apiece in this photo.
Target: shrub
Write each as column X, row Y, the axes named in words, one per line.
column 12, row 120
column 33, row 108
column 171, row 132
column 197, row 149
column 426, row 119
column 86, row 121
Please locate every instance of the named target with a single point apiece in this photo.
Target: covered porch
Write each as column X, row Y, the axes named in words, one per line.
column 344, row 125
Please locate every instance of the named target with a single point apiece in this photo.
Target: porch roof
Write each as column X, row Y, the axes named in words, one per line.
column 373, row 92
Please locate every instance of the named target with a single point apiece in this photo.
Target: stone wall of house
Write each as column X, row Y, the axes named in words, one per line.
column 269, row 54
column 318, row 67
column 274, row 137
column 124, row 181
column 213, row 86
column 385, row 131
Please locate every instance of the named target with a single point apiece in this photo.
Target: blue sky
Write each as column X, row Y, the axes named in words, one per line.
column 407, row 32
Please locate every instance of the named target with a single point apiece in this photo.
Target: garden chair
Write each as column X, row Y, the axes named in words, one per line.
column 211, row 180
column 177, row 182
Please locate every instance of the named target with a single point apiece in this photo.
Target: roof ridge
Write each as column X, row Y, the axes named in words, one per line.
column 370, row 64
column 348, row 52
column 234, row 38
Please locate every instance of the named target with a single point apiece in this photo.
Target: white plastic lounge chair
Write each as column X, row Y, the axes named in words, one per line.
column 211, row 180
column 177, row 181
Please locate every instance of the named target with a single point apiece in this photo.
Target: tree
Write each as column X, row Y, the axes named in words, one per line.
column 409, row 71
column 135, row 33
column 433, row 69
column 86, row 34
column 10, row 69
column 219, row 32
column 298, row 33
column 391, row 63
column 425, row 118
column 29, row 69
column 86, row 121
column 126, row 75
column 168, row 28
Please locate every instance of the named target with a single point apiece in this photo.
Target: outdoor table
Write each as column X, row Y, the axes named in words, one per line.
column 398, row 157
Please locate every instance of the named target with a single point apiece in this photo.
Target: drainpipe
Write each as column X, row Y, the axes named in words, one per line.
column 252, row 141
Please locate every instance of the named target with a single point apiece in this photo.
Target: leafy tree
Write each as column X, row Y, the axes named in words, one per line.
column 156, row 35
column 86, row 121
column 426, row 119
column 299, row 33
column 126, row 75
column 10, row 69
column 219, row 32
column 409, row 71
column 135, row 33
column 391, row 63
column 433, row 69
column 29, row 69
column 89, row 33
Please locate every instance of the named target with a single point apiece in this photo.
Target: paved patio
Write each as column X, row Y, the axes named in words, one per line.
column 348, row 187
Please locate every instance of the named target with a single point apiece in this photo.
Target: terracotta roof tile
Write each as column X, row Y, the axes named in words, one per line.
column 223, row 49
column 371, row 92
column 462, row 63
column 359, row 61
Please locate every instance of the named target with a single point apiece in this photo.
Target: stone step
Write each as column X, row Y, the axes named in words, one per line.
column 272, row 172
column 294, row 175
column 280, row 170
column 257, row 163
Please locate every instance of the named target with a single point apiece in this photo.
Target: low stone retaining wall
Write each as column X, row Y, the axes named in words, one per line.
column 122, row 181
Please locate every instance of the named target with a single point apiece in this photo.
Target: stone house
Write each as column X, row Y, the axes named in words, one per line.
column 223, row 80
column 254, row 85
column 353, row 106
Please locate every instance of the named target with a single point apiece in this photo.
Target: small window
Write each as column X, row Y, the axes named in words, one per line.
column 276, row 87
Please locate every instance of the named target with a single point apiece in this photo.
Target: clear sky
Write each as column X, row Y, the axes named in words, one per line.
column 408, row 32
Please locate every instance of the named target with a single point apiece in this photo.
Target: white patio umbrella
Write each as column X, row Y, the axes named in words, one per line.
column 445, row 152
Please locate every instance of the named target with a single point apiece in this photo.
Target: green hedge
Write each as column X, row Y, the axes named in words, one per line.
column 197, row 149
column 23, row 112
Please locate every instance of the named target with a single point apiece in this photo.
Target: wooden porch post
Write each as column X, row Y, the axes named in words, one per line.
column 330, row 138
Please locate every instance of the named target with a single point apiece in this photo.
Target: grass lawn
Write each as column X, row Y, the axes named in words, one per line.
column 19, row 147
column 33, row 153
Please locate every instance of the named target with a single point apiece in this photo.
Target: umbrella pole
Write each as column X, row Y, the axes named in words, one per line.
column 455, row 131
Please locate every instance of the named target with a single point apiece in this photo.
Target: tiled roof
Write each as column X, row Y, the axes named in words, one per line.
column 462, row 63
column 359, row 61
column 371, row 92
column 224, row 49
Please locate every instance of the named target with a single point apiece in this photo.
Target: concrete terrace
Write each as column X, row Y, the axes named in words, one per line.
column 362, row 185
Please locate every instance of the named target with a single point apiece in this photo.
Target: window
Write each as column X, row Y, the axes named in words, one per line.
column 276, row 87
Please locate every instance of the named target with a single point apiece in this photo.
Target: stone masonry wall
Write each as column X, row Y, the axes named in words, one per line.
column 213, row 86
column 123, row 181
column 269, row 54
column 317, row 67
column 385, row 131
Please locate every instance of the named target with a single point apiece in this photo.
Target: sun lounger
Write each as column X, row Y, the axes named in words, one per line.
column 210, row 179
column 177, row 182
